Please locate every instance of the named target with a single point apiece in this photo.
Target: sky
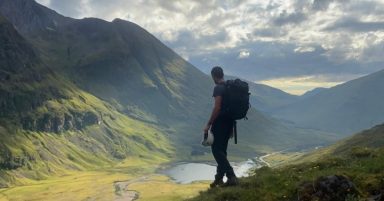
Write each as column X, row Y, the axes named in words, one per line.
column 294, row 45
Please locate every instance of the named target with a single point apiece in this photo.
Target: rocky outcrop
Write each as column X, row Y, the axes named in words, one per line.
column 13, row 103
column 330, row 188
column 9, row 161
column 33, row 17
column 57, row 122
column 23, row 105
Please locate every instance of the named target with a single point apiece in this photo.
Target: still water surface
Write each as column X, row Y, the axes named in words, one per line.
column 188, row 172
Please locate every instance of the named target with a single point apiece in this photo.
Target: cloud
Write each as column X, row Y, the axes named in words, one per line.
column 45, row 2
column 290, row 18
column 321, row 4
column 304, row 49
column 244, row 54
column 73, row 8
column 352, row 24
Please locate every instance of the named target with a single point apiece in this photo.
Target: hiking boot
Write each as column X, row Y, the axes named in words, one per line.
column 231, row 181
column 217, row 182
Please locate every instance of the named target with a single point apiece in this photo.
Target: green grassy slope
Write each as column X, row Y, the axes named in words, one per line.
column 360, row 158
column 49, row 126
column 370, row 138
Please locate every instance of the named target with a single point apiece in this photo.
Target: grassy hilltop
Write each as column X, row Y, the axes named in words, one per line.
column 359, row 158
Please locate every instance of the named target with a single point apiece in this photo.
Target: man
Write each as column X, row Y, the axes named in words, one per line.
column 222, row 128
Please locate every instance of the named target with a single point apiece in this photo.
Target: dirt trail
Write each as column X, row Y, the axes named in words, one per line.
column 122, row 192
column 265, row 156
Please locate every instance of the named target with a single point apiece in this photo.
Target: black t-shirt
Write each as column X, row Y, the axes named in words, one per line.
column 219, row 90
column 222, row 124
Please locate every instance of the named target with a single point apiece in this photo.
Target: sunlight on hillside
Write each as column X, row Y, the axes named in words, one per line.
column 299, row 85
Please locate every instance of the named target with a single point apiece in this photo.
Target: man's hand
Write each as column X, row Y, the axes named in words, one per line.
column 206, row 128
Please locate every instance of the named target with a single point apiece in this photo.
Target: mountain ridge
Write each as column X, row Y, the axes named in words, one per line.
column 345, row 108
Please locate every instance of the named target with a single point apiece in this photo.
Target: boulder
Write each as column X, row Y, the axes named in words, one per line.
column 330, row 188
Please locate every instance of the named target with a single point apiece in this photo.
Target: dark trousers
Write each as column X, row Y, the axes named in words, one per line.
column 221, row 130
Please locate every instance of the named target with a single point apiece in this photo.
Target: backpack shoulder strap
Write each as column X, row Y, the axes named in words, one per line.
column 235, row 131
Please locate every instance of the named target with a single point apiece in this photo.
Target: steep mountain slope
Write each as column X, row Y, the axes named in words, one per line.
column 346, row 108
column 372, row 138
column 360, row 143
column 312, row 92
column 49, row 126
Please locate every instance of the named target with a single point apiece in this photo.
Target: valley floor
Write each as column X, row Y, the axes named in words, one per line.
column 132, row 179
column 122, row 182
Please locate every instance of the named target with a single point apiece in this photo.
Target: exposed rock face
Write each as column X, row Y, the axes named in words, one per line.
column 10, row 161
column 19, row 104
column 11, row 103
column 57, row 123
column 331, row 188
column 22, row 105
column 15, row 52
column 33, row 17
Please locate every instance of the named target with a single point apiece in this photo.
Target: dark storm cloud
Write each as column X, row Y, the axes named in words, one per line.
column 362, row 8
column 321, row 4
column 355, row 25
column 290, row 18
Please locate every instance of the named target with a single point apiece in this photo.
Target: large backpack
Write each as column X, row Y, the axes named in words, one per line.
column 237, row 104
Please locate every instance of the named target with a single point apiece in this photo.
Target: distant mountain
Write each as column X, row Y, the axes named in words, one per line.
column 113, row 89
column 265, row 98
column 346, row 108
column 312, row 92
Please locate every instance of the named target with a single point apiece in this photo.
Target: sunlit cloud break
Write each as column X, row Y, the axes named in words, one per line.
column 300, row 85
column 244, row 54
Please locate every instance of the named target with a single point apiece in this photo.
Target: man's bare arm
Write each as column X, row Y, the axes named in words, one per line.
column 215, row 112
